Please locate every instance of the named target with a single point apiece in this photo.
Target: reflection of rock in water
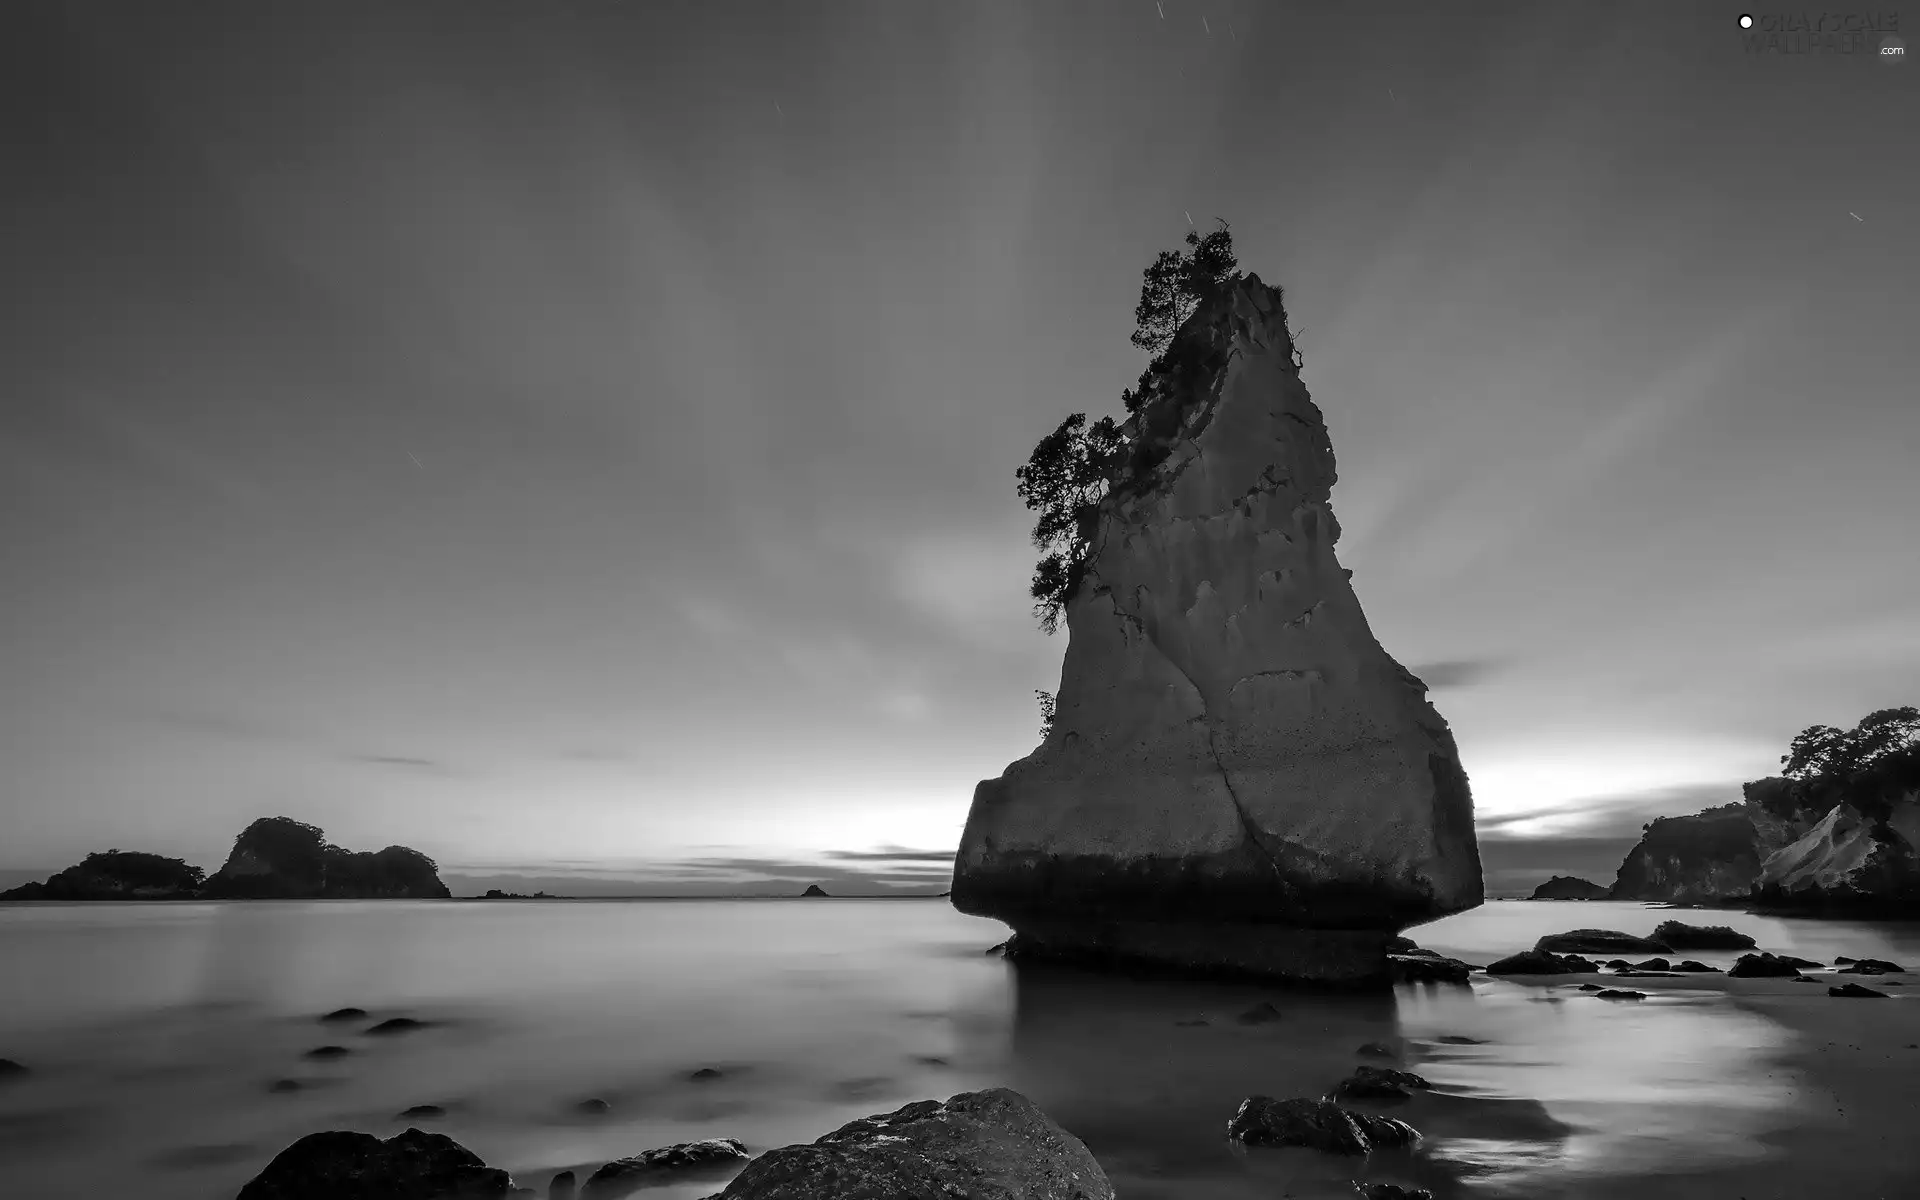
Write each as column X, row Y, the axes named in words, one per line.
column 1111, row 1059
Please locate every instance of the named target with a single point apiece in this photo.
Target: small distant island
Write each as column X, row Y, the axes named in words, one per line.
column 275, row 858
column 497, row 894
column 1570, row 887
column 815, row 892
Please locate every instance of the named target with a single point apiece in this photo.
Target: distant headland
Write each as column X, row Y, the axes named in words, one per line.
column 275, row 858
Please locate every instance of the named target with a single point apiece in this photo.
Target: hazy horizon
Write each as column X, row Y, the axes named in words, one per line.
column 577, row 440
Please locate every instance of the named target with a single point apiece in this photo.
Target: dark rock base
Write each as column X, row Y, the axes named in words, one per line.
column 1334, row 958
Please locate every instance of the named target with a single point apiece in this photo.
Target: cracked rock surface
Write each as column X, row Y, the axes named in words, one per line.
column 1238, row 777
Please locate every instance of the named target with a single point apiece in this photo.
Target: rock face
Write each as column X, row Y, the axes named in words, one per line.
column 1315, row 1125
column 358, row 1166
column 1568, row 887
column 991, row 1145
column 624, row 1176
column 117, row 875
column 278, row 858
column 1849, row 862
column 1710, row 857
column 1238, row 777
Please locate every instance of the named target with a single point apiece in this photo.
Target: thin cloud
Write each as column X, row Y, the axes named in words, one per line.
column 1611, row 816
column 403, row 761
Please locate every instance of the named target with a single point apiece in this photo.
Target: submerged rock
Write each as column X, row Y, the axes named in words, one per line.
column 1260, row 1014
column 1378, row 1050
column 344, row 1014
column 1619, row 994
column 1238, row 778
column 1316, row 1125
column 358, row 1166
column 1599, row 941
column 624, row 1175
column 393, row 1025
column 1682, row 936
column 990, row 1145
column 1691, row 965
column 1569, row 887
column 10, row 1069
column 322, row 1053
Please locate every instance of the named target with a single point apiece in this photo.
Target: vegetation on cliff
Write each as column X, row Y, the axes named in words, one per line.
column 1077, row 465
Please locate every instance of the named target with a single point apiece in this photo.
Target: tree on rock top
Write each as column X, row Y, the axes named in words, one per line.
column 1074, row 467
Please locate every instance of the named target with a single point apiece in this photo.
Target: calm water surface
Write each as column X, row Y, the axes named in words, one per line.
column 154, row 1032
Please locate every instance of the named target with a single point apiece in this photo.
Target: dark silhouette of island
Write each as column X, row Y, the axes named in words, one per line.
column 117, row 875
column 1569, row 887
column 275, row 858
column 814, row 892
column 497, row 894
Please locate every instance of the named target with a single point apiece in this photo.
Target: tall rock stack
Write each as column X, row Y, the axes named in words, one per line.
column 1238, row 777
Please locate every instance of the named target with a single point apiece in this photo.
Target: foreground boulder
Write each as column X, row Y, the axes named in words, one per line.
column 358, row 1166
column 1237, row 776
column 1569, row 887
column 990, row 1145
column 625, row 1175
column 278, row 858
column 1315, row 1125
column 1600, row 941
column 1682, row 936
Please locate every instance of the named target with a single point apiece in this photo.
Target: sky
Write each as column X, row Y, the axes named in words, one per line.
column 577, row 440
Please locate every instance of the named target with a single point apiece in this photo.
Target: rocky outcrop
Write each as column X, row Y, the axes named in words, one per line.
column 1849, row 863
column 358, row 1166
column 278, row 858
column 991, row 1145
column 814, row 892
column 117, row 875
column 1237, row 777
column 1711, row 857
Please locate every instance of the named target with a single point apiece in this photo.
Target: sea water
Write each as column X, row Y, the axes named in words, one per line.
column 154, row 1032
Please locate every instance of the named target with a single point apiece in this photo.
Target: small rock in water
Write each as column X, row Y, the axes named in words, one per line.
column 337, row 1165
column 1855, row 990
column 1591, row 987
column 1654, row 964
column 10, row 1069
column 284, row 1085
column 594, row 1106
column 345, row 1014
column 930, row 1060
column 704, row 1073
column 1378, row 1050
column 396, row 1025
column 1538, row 962
column 1600, row 941
column 1378, row 1083
column 562, row 1187
column 1618, row 994
column 1392, row 1191
column 1763, row 966
column 1870, row 966
column 1805, row 979
column 1682, row 936
column 1192, row 1021
column 1260, row 1014
column 323, row 1053
column 422, row 1112
column 1454, row 1039
column 1316, row 1125
column 1619, row 964
column 1690, row 965
column 622, row 1175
